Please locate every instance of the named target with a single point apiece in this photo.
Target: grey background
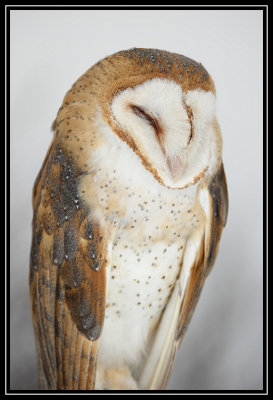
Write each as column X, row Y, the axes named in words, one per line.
column 222, row 348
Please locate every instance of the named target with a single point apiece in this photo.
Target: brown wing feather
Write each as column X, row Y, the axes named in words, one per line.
column 67, row 277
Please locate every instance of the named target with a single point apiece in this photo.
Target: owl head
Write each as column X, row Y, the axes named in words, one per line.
column 162, row 105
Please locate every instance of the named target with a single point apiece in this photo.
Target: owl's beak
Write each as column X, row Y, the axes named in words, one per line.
column 176, row 167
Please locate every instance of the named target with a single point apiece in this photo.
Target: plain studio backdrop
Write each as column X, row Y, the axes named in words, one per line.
column 50, row 49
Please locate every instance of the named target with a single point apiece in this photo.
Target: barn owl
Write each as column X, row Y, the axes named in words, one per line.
column 129, row 207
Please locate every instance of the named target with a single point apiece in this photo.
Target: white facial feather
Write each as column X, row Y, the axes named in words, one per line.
column 180, row 160
column 127, row 279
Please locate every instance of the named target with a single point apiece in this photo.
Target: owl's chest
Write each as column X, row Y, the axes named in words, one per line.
column 141, row 280
column 146, row 258
column 148, row 224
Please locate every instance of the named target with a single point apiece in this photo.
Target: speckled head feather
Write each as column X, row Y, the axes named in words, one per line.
column 129, row 68
column 114, row 74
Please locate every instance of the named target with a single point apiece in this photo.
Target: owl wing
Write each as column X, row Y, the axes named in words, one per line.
column 67, row 277
column 198, row 258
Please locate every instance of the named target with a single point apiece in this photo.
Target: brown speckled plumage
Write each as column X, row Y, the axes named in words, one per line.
column 78, row 250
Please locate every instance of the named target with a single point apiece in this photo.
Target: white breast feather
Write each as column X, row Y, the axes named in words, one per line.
column 152, row 226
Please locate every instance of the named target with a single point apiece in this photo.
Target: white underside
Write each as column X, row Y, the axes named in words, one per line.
column 153, row 224
column 135, row 299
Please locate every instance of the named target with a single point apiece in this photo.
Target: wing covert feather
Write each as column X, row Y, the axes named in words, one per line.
column 67, row 277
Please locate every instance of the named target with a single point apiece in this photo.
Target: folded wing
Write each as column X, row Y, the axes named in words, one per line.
column 67, row 277
column 198, row 258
